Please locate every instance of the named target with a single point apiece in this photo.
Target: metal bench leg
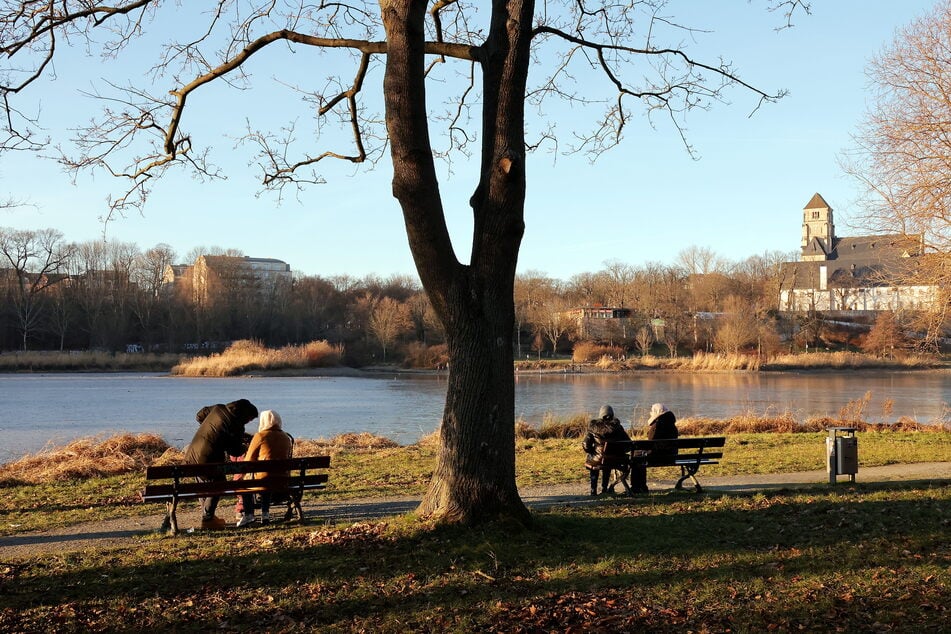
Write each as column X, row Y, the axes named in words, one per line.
column 298, row 509
column 170, row 523
column 687, row 472
column 622, row 476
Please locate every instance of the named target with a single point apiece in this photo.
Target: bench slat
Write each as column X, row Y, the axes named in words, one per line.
column 678, row 460
column 682, row 443
column 183, row 490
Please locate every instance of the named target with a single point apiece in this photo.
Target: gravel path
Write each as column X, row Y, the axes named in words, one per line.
column 124, row 532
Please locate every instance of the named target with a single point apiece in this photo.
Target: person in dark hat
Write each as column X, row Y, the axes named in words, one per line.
column 662, row 425
column 220, row 434
column 600, row 430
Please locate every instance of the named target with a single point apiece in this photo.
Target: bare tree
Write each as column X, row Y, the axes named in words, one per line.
column 902, row 153
column 643, row 340
column 35, row 259
column 551, row 319
column 532, row 290
column 389, row 319
column 625, row 45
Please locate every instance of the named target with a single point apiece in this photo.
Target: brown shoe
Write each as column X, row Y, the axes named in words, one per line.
column 213, row 523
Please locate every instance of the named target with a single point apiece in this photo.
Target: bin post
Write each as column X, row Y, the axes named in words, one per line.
column 842, row 453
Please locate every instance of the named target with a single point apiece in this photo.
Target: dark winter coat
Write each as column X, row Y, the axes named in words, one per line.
column 664, row 427
column 599, row 432
column 221, row 432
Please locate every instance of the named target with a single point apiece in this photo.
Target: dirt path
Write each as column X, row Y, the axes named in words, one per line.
column 125, row 532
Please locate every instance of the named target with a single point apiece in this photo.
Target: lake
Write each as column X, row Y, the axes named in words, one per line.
column 39, row 409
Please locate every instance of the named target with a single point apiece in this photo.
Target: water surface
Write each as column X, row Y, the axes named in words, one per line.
column 42, row 408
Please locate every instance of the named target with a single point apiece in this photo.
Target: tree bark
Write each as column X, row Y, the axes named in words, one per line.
column 474, row 478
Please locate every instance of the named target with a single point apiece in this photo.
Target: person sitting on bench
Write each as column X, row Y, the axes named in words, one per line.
column 270, row 443
column 604, row 428
column 220, row 433
column 661, row 426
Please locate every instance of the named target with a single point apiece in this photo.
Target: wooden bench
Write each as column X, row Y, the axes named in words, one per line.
column 184, row 486
column 692, row 453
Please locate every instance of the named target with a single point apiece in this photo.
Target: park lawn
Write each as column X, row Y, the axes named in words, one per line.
column 405, row 471
column 852, row 558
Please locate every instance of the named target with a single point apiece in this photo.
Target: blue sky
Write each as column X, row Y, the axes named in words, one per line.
column 643, row 202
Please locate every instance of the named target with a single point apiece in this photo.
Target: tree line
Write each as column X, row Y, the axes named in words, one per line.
column 60, row 295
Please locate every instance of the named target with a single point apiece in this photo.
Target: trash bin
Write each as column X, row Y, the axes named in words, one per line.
column 842, row 453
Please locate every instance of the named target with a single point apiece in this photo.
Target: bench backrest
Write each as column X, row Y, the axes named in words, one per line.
column 183, row 486
column 670, row 451
column 217, row 469
column 680, row 443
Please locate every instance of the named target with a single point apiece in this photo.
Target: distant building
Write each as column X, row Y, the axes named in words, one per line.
column 865, row 273
column 224, row 273
column 600, row 322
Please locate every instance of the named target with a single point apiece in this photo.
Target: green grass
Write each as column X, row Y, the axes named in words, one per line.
column 855, row 558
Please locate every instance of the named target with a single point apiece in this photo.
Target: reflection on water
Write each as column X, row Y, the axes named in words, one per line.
column 38, row 409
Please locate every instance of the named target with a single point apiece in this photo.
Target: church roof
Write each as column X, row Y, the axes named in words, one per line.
column 876, row 249
column 817, row 202
column 860, row 261
column 816, row 246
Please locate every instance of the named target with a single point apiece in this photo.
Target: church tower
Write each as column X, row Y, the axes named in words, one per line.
column 818, row 230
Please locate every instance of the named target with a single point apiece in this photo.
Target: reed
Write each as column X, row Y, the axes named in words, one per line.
column 843, row 360
column 248, row 355
column 85, row 361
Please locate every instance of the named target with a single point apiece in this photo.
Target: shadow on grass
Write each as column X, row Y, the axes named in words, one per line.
column 676, row 557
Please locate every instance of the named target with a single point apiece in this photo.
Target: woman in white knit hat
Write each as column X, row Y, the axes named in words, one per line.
column 661, row 426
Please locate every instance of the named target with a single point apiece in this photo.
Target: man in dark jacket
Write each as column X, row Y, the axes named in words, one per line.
column 661, row 426
column 221, row 433
column 600, row 430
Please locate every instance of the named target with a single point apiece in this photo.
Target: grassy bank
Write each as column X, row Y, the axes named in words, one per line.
column 104, row 478
column 851, row 559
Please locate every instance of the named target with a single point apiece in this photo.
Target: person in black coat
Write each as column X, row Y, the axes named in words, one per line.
column 661, row 426
column 604, row 428
column 220, row 434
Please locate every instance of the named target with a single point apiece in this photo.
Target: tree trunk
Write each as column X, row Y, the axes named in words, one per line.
column 474, row 478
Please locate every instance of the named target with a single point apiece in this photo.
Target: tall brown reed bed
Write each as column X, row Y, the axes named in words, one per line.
column 852, row 415
column 607, row 359
column 247, row 355
column 85, row 361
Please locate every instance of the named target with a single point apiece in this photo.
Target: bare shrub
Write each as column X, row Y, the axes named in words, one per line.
column 590, row 352
column 419, row 355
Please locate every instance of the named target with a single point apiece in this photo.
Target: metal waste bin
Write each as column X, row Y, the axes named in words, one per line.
column 842, row 453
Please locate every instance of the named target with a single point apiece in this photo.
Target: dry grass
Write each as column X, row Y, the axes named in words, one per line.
column 342, row 442
column 127, row 453
column 88, row 458
column 553, row 427
column 246, row 355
